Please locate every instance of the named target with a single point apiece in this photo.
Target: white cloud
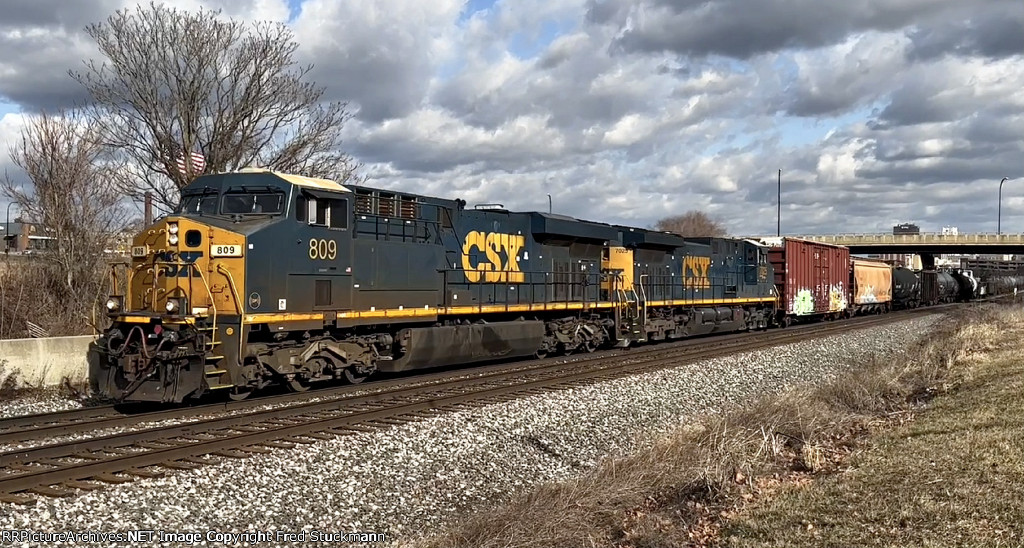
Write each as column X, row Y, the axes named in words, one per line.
column 877, row 111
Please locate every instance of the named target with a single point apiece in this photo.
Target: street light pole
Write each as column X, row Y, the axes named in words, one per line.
column 7, row 229
column 549, row 204
column 999, row 215
column 778, row 230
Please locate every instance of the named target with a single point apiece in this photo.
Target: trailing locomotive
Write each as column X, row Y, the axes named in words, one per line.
column 262, row 277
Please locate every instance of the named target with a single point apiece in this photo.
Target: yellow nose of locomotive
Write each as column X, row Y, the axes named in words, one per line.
column 183, row 267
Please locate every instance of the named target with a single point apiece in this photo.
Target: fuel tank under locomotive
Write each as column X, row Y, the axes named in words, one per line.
column 455, row 345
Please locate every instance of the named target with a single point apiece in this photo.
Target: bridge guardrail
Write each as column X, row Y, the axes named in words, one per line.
column 910, row 239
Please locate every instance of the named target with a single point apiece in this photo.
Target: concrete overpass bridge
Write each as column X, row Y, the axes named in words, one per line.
column 925, row 244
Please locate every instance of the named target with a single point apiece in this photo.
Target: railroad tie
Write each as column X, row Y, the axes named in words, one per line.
column 157, row 445
column 303, row 440
column 354, row 428
column 179, row 465
column 278, row 444
column 198, row 461
column 144, row 473
column 13, row 498
column 83, row 485
column 49, row 491
column 317, row 436
column 388, row 422
column 25, row 467
column 232, row 454
column 111, row 478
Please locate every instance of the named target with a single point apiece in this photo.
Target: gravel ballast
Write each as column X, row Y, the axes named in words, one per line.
column 409, row 479
column 36, row 402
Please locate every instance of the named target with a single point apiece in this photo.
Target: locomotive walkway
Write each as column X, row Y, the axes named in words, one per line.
column 58, row 469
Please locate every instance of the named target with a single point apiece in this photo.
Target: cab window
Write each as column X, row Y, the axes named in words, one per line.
column 198, row 204
column 331, row 213
column 243, row 203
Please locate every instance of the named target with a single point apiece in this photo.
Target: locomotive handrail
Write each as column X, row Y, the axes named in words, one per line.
column 213, row 303
column 576, row 284
column 238, row 304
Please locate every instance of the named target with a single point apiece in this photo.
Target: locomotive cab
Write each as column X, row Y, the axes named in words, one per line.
column 178, row 310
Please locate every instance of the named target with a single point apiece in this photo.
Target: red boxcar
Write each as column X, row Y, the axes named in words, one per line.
column 812, row 278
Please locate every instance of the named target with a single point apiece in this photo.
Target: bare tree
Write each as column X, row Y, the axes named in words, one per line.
column 692, row 224
column 175, row 82
column 73, row 203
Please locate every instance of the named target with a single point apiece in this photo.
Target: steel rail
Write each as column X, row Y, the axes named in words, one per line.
column 37, row 470
column 27, row 428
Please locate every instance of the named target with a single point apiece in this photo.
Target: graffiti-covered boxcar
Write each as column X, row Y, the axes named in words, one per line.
column 812, row 278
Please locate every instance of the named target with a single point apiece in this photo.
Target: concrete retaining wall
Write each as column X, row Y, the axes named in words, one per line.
column 44, row 362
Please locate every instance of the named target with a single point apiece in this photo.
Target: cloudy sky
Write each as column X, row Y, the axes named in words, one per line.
column 877, row 111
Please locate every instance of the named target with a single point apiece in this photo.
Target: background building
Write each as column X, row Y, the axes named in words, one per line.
column 21, row 237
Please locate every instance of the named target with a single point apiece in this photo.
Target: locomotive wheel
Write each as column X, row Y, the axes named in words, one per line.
column 353, row 376
column 239, row 393
column 298, row 385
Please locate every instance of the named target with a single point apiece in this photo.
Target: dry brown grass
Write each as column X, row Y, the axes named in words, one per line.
column 953, row 476
column 31, row 290
column 677, row 492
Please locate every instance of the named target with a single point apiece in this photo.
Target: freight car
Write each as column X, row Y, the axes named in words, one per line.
column 967, row 285
column 812, row 278
column 261, row 278
column 870, row 285
column 938, row 287
column 1002, row 285
column 906, row 285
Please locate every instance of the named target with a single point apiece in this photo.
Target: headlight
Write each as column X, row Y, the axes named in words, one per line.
column 172, row 228
column 114, row 303
column 173, row 239
column 175, row 305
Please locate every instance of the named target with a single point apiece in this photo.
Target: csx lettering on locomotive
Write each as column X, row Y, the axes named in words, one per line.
column 695, row 272
column 495, row 268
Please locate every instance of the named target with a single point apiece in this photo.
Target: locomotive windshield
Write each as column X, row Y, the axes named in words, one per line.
column 235, row 201
column 250, row 201
column 203, row 202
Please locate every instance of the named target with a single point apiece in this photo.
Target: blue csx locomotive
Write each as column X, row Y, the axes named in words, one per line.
column 261, row 277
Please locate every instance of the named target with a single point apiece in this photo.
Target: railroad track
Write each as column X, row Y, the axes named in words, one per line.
column 24, row 429
column 58, row 469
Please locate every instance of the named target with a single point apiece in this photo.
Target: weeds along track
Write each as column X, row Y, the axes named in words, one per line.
column 58, row 469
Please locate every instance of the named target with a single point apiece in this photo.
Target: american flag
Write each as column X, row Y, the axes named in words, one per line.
column 197, row 161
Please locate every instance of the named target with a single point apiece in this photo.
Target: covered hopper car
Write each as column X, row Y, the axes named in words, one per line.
column 871, row 286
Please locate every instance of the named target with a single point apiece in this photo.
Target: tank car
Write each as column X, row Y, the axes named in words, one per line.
column 967, row 285
column 1002, row 285
column 938, row 287
column 906, row 288
column 261, row 278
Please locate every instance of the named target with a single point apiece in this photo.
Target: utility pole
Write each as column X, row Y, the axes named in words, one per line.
column 999, row 215
column 778, row 230
column 7, row 230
